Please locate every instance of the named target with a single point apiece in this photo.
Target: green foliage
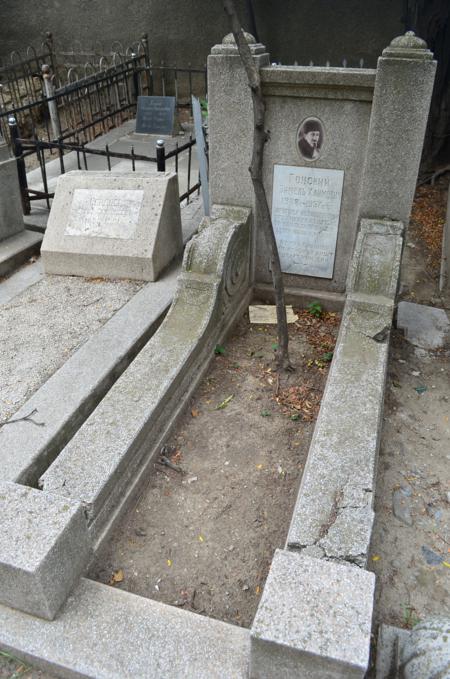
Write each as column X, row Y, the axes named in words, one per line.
column 410, row 618
column 219, row 350
column 204, row 107
column 315, row 309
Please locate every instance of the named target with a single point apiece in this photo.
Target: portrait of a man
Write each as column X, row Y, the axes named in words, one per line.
column 310, row 138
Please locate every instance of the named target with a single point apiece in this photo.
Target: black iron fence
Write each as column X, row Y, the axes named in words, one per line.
column 86, row 101
column 24, row 148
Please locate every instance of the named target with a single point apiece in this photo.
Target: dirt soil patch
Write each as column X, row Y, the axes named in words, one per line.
column 203, row 533
column 410, row 549
column 411, row 540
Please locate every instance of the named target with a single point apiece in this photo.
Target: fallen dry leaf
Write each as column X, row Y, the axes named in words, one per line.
column 116, row 577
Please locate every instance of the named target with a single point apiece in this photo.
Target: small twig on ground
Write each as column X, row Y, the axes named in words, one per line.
column 165, row 461
column 26, row 418
column 94, row 301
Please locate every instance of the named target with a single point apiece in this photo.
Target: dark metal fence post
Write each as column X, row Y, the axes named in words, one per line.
column 135, row 77
column 144, row 41
column 51, row 48
column 160, row 156
column 49, row 91
column 21, row 170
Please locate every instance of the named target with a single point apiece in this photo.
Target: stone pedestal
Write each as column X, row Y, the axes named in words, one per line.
column 403, row 88
column 115, row 226
column 314, row 620
column 11, row 216
column 231, row 122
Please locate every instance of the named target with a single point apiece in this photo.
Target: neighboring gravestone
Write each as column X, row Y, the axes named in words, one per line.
column 11, row 215
column 155, row 115
column 115, row 226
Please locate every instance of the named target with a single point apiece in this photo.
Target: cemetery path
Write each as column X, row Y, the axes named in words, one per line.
column 204, row 539
column 410, row 550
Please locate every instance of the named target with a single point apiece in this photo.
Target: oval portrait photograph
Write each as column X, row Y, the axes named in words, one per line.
column 310, row 138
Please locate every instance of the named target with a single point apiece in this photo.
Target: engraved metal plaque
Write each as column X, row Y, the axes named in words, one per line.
column 105, row 213
column 155, row 115
column 306, row 204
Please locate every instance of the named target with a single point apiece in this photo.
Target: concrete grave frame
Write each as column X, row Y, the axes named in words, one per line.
column 16, row 244
column 316, row 611
column 289, row 635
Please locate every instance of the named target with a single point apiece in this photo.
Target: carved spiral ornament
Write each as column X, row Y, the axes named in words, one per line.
column 236, row 271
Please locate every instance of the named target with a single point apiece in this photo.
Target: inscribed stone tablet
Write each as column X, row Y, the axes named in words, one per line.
column 114, row 226
column 305, row 213
column 155, row 115
column 105, row 213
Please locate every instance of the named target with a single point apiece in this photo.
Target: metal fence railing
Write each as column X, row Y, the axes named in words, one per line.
column 23, row 148
column 85, row 101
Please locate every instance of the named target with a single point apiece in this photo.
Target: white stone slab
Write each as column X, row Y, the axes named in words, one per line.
column 44, row 548
column 424, row 326
column 314, row 620
column 105, row 213
column 113, row 226
column 306, row 206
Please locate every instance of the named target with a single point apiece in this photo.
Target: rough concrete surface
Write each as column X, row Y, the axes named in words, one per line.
column 117, row 226
column 45, row 324
column 318, row 610
column 44, row 548
column 66, row 399
column 107, row 455
column 17, row 249
column 106, row 634
column 424, row 326
column 21, row 279
column 11, row 214
column 403, row 88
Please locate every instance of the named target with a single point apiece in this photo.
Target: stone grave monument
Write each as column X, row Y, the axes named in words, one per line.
column 344, row 144
column 11, row 217
column 115, row 226
column 156, row 115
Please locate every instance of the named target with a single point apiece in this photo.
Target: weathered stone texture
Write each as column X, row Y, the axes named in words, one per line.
column 44, row 548
column 117, row 226
column 314, row 620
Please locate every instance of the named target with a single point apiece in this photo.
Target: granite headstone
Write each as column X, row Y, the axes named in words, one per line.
column 155, row 115
column 115, row 226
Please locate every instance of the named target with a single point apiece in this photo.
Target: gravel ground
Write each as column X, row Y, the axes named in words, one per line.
column 43, row 326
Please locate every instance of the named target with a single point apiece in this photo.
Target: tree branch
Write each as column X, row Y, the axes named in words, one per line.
column 263, row 217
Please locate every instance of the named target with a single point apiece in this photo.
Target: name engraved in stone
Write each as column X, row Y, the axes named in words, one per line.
column 105, row 213
column 306, row 205
column 155, row 115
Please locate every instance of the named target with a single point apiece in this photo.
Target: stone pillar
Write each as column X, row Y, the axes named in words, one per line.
column 11, row 214
column 231, row 122
column 403, row 88
column 314, row 620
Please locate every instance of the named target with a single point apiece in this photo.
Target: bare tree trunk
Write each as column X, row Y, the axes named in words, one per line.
column 256, row 173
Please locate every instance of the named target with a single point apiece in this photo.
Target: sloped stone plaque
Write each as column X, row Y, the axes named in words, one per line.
column 155, row 115
column 114, row 226
column 305, row 212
